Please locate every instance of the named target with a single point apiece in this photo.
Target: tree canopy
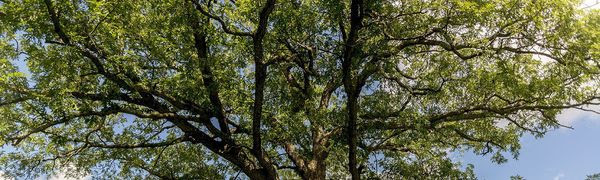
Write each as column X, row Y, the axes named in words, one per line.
column 593, row 177
column 276, row 89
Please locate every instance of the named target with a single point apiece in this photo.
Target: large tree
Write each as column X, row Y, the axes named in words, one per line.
column 273, row 89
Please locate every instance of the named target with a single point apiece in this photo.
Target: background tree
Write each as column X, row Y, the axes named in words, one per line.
column 285, row 89
column 593, row 177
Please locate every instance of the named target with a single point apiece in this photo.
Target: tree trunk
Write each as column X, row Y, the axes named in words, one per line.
column 352, row 139
column 350, row 85
column 317, row 167
column 316, row 170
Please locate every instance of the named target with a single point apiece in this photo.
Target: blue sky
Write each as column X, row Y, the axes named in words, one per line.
column 562, row 154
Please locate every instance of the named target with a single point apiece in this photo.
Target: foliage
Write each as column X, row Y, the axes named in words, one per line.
column 517, row 177
column 285, row 89
column 593, row 177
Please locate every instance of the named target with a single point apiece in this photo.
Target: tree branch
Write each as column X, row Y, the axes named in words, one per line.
column 223, row 24
column 56, row 22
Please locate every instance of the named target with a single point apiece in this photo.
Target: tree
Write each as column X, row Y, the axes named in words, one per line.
column 285, row 89
column 593, row 176
column 517, row 177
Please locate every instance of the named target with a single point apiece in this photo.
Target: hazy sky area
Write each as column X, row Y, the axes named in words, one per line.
column 563, row 154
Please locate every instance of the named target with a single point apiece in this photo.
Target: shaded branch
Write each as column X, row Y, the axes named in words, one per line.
column 139, row 145
column 56, row 22
column 223, row 24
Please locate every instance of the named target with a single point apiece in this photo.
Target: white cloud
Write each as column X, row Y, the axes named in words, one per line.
column 590, row 4
column 559, row 176
column 3, row 177
column 66, row 173
column 58, row 175
column 63, row 176
column 569, row 116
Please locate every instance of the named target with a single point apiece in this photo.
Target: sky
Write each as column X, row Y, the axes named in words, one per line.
column 563, row 154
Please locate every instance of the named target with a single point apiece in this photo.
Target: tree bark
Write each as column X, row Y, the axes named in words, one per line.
column 313, row 167
column 350, row 85
column 260, row 77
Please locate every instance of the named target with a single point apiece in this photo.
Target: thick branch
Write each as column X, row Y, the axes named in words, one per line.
column 350, row 46
column 211, row 85
column 56, row 22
